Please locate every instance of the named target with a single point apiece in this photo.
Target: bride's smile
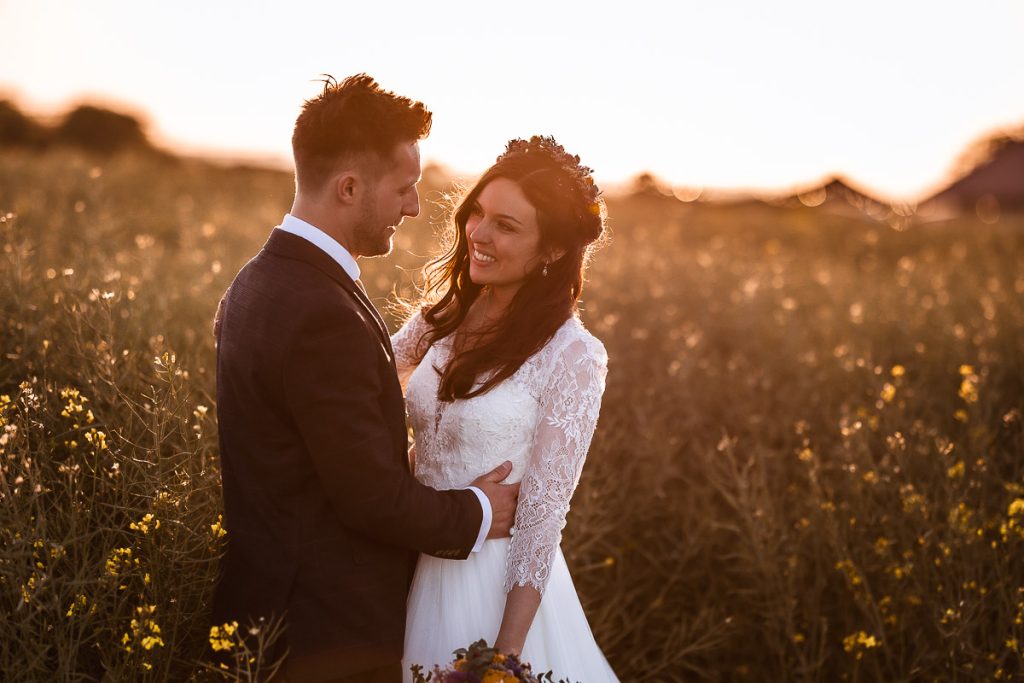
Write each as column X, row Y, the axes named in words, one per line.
column 482, row 258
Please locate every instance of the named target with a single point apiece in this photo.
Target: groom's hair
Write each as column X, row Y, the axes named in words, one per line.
column 354, row 121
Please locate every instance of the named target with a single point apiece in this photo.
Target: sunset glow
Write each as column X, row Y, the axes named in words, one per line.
column 721, row 95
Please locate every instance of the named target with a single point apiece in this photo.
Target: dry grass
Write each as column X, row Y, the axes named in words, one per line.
column 807, row 466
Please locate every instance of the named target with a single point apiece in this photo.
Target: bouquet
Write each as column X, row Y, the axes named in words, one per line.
column 481, row 664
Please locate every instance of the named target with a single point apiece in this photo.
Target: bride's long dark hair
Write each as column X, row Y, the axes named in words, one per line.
column 571, row 217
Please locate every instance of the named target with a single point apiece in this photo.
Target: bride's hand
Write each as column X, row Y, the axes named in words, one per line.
column 505, row 647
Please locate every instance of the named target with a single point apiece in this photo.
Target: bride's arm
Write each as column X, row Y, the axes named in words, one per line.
column 569, row 408
column 405, row 343
column 520, row 608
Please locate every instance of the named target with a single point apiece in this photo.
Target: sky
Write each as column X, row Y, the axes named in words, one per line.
column 717, row 94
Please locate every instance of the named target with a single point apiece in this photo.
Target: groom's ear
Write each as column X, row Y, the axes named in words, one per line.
column 346, row 187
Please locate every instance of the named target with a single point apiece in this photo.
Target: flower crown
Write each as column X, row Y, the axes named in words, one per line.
column 578, row 175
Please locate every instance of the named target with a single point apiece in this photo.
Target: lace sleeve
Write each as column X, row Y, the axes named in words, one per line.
column 404, row 343
column 569, row 408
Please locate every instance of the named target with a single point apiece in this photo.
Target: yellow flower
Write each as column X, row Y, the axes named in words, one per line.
column 969, row 390
column 852, row 575
column 217, row 527
column 143, row 630
column 145, row 523
column 77, row 605
column 898, row 371
column 97, row 438
column 857, row 643
column 966, row 370
column 149, row 642
column 1016, row 507
column 956, row 471
column 119, row 560
column 888, row 392
column 806, row 455
column 497, row 676
column 28, row 589
column 220, row 636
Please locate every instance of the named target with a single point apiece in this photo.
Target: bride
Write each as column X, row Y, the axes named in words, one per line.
column 499, row 367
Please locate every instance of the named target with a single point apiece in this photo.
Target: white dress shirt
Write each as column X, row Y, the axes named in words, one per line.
column 341, row 255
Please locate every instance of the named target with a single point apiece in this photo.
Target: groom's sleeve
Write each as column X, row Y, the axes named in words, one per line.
column 485, row 525
column 332, row 377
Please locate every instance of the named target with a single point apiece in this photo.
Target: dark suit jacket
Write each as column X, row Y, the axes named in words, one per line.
column 324, row 518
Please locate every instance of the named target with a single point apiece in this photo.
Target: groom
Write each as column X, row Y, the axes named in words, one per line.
column 324, row 518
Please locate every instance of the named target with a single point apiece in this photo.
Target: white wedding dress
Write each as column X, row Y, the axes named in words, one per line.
column 541, row 419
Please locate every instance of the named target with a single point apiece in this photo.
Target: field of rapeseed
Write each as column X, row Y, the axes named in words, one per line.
column 808, row 464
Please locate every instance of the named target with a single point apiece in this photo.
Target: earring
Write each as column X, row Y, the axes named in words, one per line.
column 544, row 271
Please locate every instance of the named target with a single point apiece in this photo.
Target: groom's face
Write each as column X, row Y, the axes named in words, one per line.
column 391, row 196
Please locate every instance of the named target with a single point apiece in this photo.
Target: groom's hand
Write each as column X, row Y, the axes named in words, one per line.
column 503, row 499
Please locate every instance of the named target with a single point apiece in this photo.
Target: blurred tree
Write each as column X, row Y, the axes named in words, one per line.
column 648, row 184
column 986, row 148
column 101, row 130
column 989, row 178
column 19, row 130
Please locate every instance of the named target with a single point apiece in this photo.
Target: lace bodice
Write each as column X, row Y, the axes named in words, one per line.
column 541, row 419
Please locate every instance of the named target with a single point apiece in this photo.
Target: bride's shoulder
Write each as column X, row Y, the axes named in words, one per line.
column 414, row 321
column 572, row 346
column 415, row 318
column 407, row 340
column 574, row 340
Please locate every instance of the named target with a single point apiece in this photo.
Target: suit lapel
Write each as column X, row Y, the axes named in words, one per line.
column 293, row 246
column 364, row 299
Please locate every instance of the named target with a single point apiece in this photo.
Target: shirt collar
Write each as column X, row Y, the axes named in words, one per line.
column 325, row 242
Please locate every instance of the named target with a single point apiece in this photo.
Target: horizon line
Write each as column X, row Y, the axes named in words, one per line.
column 48, row 114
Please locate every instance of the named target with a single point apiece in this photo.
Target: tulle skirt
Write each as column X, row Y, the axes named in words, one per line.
column 454, row 603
